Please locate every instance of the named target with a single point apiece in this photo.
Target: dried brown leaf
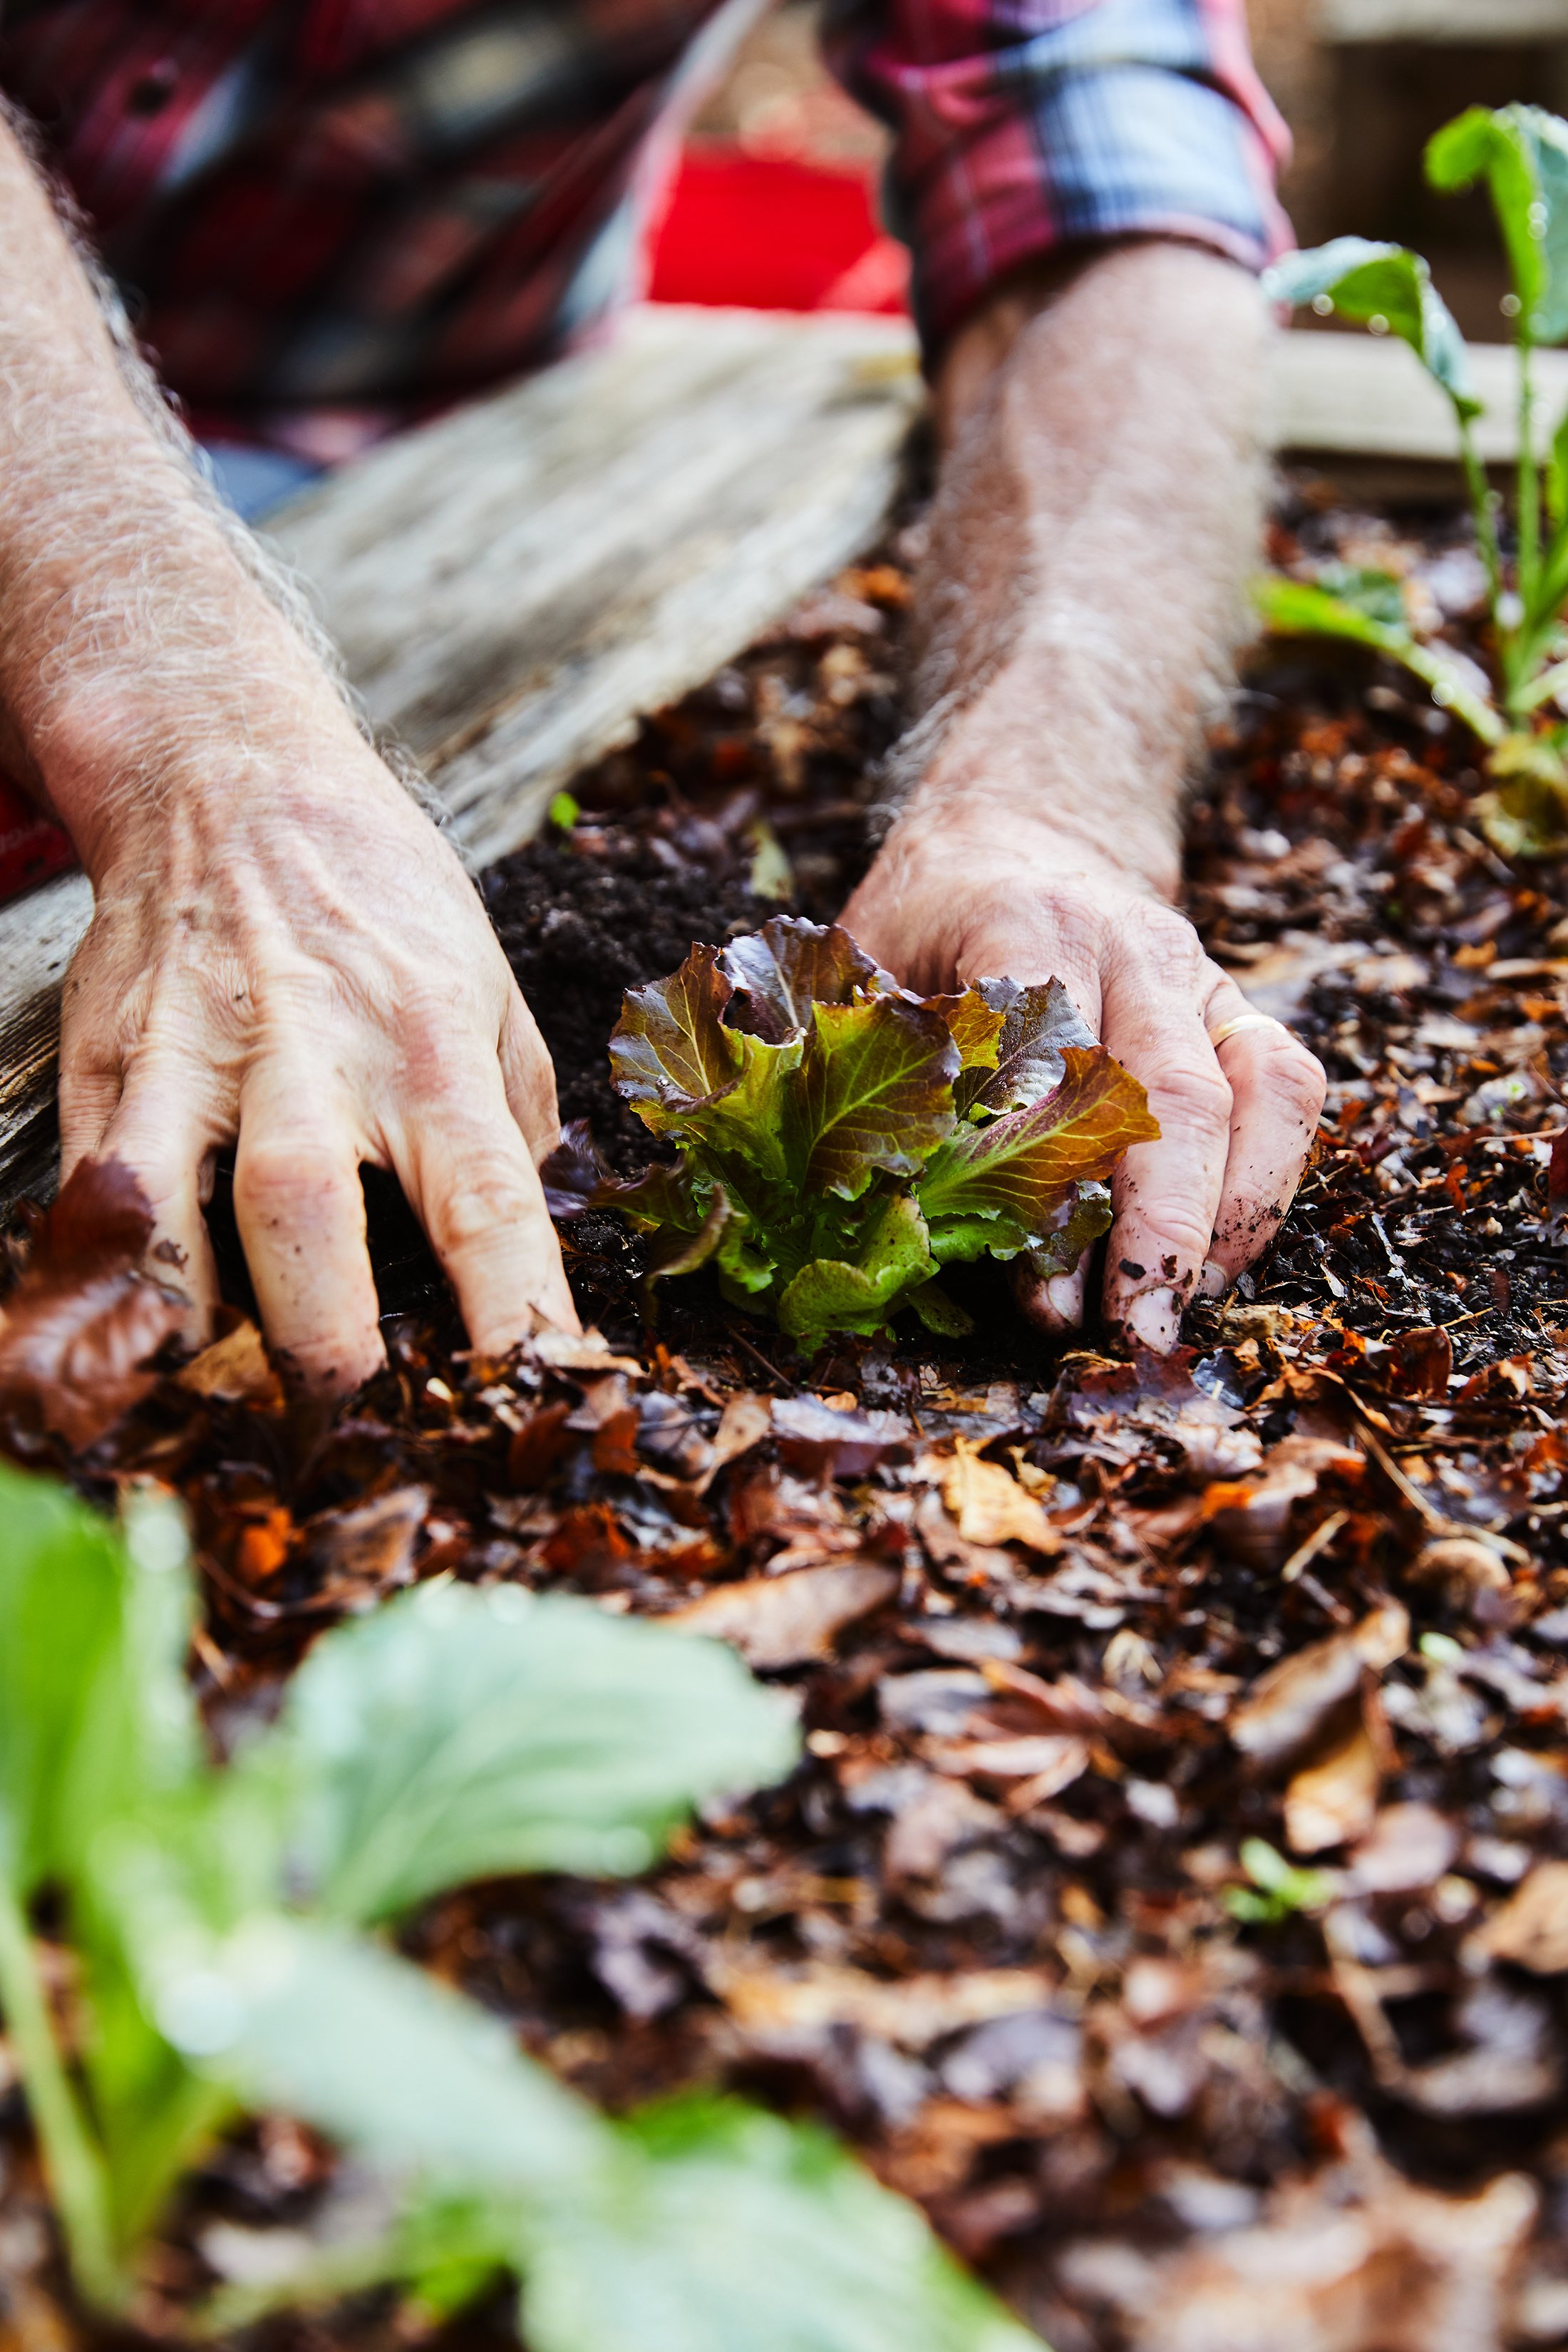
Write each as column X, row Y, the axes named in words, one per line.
column 1252, row 1516
column 367, row 1550
column 1420, row 1362
column 1051, row 1761
column 783, row 1621
column 1409, row 1848
column 1333, row 1800
column 581, row 1352
column 942, row 1816
column 1531, row 1928
column 85, row 1320
column 912, row 2014
column 744, row 1423
column 826, row 1441
column 235, row 1369
column 1334, row 2266
column 988, row 1506
column 1291, row 1704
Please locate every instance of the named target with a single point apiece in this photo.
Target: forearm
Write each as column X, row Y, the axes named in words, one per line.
column 1097, row 515
column 138, row 639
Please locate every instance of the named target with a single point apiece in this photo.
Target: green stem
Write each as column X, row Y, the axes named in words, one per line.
column 71, row 2162
column 1481, row 506
column 1539, row 689
column 1529, row 480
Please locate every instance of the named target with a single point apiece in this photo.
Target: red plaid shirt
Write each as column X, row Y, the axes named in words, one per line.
column 329, row 214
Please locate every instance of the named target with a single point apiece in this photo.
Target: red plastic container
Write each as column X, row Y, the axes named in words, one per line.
column 769, row 233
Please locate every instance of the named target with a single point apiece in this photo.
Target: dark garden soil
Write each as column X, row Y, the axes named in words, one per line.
column 1065, row 1629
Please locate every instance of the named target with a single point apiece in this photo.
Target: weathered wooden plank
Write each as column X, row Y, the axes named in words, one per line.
column 510, row 587
column 39, row 936
column 1484, row 24
column 1369, row 396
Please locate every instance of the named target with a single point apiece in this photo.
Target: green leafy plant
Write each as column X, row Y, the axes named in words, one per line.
column 1521, row 154
column 839, row 1140
column 1278, row 1888
column 221, row 1921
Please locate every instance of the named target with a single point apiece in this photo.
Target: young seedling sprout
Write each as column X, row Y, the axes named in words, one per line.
column 1521, row 153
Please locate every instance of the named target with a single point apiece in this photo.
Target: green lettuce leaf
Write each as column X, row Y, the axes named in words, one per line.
column 671, row 1052
column 95, row 1712
column 976, row 1027
column 1024, row 1167
column 1527, row 815
column 1038, row 1024
column 829, row 1092
column 458, row 1734
column 782, row 971
column 697, row 2226
column 831, row 1295
column 1083, row 1217
column 874, row 1090
column 1366, row 280
column 1521, row 153
column 686, row 1075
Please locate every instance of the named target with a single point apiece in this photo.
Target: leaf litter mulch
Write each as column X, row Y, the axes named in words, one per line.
column 1174, row 1898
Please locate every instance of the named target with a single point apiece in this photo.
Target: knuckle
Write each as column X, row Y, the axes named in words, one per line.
column 432, row 1027
column 1192, row 1095
column 1166, row 939
column 488, row 1195
column 283, row 1177
column 1295, row 1077
column 524, row 1052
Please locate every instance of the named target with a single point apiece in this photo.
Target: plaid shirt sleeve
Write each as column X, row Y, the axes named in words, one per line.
column 1024, row 125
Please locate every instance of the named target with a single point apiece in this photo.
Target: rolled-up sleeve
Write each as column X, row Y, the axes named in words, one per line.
column 1024, row 125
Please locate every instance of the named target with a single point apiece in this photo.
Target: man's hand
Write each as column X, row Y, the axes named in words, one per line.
column 283, row 951
column 1236, row 1125
column 1096, row 518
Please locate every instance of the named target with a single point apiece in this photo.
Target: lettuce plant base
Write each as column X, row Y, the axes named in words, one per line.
column 1069, row 1635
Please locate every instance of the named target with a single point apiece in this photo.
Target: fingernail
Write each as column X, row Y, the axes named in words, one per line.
column 1213, row 1281
column 1064, row 1296
column 1153, row 1320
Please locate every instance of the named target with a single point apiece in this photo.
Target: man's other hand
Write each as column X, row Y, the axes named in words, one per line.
column 1097, row 515
column 286, row 953
column 944, row 905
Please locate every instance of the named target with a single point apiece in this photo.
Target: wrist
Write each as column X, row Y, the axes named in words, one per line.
column 1036, row 820
column 127, row 765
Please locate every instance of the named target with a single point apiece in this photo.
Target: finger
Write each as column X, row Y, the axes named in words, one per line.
column 300, row 1207
column 161, row 1130
column 1166, row 1194
column 528, row 1078
column 89, row 1098
column 1055, row 1304
column 471, row 1181
column 1277, row 1096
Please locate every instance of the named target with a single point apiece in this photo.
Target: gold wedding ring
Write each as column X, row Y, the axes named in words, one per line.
column 1228, row 1029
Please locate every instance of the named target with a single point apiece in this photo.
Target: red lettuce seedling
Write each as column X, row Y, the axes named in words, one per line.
column 839, row 1139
